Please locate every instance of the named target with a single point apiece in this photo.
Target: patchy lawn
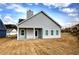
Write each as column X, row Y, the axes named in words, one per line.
column 66, row 45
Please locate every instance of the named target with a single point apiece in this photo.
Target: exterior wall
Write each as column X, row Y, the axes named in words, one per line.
column 2, row 33
column 30, row 33
column 41, row 21
column 49, row 33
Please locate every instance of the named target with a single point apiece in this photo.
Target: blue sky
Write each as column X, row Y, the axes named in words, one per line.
column 66, row 14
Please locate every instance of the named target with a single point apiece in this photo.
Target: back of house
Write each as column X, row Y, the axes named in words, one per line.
column 36, row 26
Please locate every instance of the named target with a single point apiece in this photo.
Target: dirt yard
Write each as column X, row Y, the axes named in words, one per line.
column 66, row 45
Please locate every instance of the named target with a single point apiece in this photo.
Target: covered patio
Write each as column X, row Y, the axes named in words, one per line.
column 30, row 33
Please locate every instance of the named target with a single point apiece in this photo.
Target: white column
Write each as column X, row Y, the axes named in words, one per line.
column 34, row 32
column 18, row 33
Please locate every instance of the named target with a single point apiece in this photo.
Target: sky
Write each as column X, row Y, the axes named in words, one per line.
column 65, row 14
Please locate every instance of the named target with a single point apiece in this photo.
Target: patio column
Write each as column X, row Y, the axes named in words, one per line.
column 18, row 33
column 34, row 32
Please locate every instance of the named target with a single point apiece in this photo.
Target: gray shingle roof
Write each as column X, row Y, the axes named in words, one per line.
column 37, row 14
column 2, row 26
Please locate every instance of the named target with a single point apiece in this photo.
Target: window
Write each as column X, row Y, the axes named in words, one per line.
column 57, row 32
column 51, row 32
column 46, row 32
column 22, row 32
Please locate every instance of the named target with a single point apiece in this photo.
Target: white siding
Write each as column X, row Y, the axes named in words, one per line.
column 29, row 34
column 49, row 33
column 41, row 21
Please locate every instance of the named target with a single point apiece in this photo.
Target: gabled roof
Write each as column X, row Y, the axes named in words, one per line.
column 2, row 26
column 37, row 14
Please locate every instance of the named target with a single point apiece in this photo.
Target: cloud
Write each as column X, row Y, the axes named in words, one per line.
column 69, row 24
column 8, row 20
column 68, row 10
column 63, row 7
column 72, row 14
column 75, row 20
column 1, row 9
column 0, row 17
column 57, row 5
column 23, row 17
column 72, row 23
column 47, row 4
column 3, row 4
column 17, row 8
column 36, row 3
column 30, row 4
column 60, row 5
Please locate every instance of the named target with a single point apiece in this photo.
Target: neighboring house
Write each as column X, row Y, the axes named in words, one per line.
column 11, row 29
column 2, row 29
column 38, row 26
column 11, row 32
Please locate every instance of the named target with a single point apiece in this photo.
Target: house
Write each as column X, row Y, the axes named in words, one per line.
column 11, row 29
column 38, row 26
column 2, row 29
column 11, row 32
